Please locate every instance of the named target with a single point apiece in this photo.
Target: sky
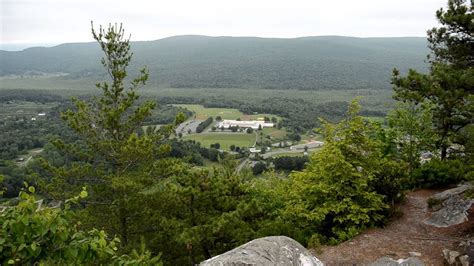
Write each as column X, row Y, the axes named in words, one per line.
column 48, row 22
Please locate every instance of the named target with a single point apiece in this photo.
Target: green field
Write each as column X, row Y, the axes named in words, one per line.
column 225, row 139
column 27, row 109
column 274, row 133
column 202, row 112
column 372, row 99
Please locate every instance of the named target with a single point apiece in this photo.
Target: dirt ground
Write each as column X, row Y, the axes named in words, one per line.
column 405, row 234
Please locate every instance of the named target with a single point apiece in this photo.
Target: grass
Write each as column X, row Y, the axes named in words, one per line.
column 21, row 108
column 224, row 139
column 202, row 112
column 275, row 133
column 373, row 99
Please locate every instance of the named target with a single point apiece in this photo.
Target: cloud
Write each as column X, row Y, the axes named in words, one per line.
column 56, row 21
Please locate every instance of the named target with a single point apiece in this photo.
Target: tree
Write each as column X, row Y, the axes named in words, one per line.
column 218, row 118
column 332, row 199
column 412, row 131
column 112, row 158
column 449, row 84
column 258, row 168
column 31, row 233
column 207, row 213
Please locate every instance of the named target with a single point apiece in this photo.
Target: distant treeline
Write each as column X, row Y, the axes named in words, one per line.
column 312, row 63
column 40, row 96
column 200, row 128
column 298, row 115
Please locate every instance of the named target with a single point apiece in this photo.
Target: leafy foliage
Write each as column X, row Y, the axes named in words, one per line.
column 412, row 131
column 339, row 194
column 437, row 173
column 115, row 157
column 450, row 82
column 32, row 233
column 312, row 63
column 204, row 213
column 203, row 125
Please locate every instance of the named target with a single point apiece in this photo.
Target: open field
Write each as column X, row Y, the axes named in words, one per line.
column 202, row 112
column 224, row 139
column 274, row 133
column 373, row 99
column 27, row 109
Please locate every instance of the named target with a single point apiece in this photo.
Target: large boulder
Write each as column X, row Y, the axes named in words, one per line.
column 452, row 208
column 272, row 250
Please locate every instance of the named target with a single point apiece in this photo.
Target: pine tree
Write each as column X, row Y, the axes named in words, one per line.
column 450, row 83
column 115, row 159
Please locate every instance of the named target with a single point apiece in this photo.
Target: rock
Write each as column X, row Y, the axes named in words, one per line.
column 272, row 250
column 414, row 254
column 453, row 212
column 450, row 256
column 464, row 260
column 386, row 261
column 442, row 196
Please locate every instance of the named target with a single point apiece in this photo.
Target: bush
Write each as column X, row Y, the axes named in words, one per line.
column 258, row 168
column 437, row 173
column 203, row 125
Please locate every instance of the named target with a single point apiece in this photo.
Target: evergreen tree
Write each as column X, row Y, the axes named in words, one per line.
column 113, row 159
column 450, row 83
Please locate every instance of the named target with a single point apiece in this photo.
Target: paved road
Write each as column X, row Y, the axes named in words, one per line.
column 280, row 151
column 184, row 127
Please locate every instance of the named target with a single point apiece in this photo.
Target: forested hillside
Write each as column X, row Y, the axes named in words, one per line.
column 309, row 63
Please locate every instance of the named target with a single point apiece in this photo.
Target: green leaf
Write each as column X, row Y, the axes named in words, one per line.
column 83, row 194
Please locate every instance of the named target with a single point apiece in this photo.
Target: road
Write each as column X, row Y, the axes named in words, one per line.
column 184, row 127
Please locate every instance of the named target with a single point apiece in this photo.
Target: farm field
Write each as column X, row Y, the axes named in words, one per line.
column 21, row 108
column 226, row 113
column 274, row 133
column 370, row 98
column 202, row 112
column 224, row 139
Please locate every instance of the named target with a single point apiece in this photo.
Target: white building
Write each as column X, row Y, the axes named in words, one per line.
column 254, row 124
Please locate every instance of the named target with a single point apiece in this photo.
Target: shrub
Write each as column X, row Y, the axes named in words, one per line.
column 437, row 173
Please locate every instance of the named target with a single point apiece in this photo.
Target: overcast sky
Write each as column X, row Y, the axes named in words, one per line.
column 59, row 21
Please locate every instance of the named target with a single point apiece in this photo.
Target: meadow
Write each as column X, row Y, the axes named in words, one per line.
column 224, row 139
column 372, row 99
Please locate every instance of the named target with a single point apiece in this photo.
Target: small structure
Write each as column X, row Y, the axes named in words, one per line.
column 309, row 145
column 255, row 150
column 254, row 124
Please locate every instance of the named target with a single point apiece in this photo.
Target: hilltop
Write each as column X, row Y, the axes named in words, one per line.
column 192, row 61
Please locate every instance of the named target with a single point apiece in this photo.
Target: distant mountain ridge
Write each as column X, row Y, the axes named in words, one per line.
column 194, row 61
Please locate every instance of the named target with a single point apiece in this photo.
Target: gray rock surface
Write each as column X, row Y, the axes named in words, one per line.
column 453, row 212
column 272, row 250
column 464, row 260
column 450, row 256
column 442, row 196
column 386, row 261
